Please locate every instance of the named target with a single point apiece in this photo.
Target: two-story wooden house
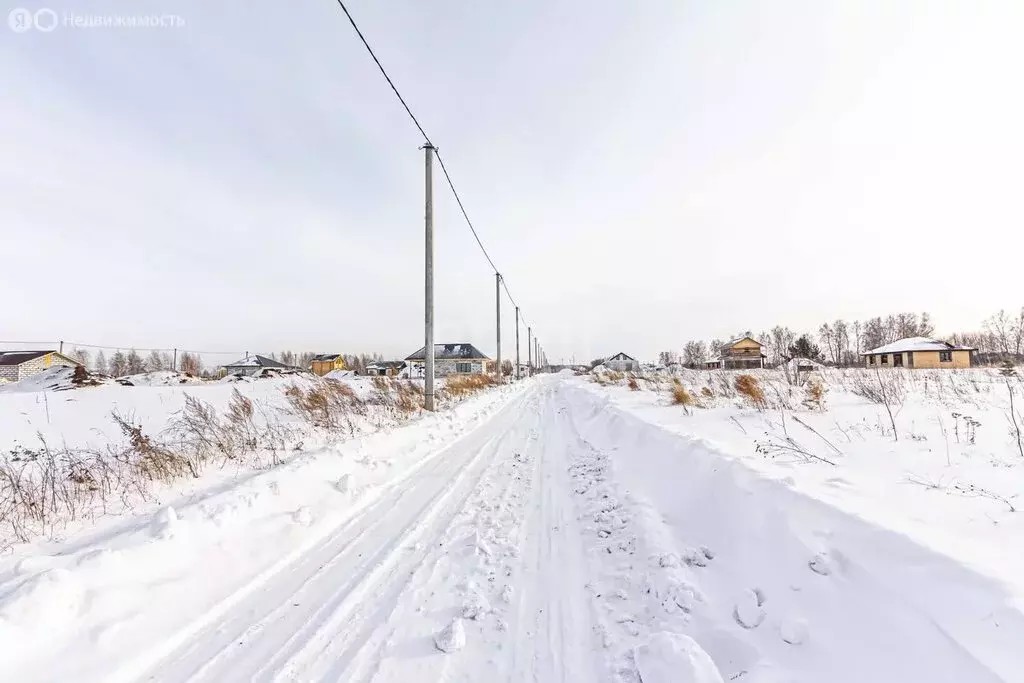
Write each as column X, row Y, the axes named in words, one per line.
column 744, row 353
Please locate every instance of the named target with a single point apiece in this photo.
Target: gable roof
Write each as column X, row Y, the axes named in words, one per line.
column 386, row 364
column 916, row 344
column 449, row 352
column 624, row 356
column 19, row 357
column 10, row 358
column 256, row 361
column 734, row 342
column 327, row 356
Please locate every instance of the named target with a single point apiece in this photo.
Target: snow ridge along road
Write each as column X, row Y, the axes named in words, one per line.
column 562, row 539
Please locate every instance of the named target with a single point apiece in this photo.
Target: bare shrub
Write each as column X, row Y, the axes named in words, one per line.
column 814, row 394
column 706, row 392
column 681, row 396
column 748, row 387
column 149, row 458
column 459, row 386
column 633, row 386
column 886, row 391
column 328, row 404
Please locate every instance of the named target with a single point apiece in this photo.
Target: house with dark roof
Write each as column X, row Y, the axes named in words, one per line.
column 251, row 365
column 327, row 362
column 621, row 362
column 918, row 352
column 449, row 359
column 17, row 365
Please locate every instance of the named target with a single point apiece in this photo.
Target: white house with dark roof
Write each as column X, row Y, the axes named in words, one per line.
column 449, row 359
column 17, row 365
column 621, row 362
column 251, row 365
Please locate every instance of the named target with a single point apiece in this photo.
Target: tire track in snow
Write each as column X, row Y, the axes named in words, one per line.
column 257, row 636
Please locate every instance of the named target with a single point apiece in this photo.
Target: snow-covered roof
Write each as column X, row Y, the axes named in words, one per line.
column 449, row 352
column 916, row 344
column 734, row 342
column 256, row 361
column 621, row 356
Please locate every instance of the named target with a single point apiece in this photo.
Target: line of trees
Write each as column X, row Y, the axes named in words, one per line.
column 121, row 363
column 841, row 342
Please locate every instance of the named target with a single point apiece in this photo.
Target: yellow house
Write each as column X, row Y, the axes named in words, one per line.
column 739, row 354
column 918, row 352
column 327, row 362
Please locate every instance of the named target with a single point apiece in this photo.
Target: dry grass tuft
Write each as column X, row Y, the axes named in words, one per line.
column 748, row 387
column 633, row 386
column 459, row 386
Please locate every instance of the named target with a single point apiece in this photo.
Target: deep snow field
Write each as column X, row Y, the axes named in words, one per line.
column 559, row 529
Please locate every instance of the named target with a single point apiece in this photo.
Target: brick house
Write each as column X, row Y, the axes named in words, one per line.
column 449, row 359
column 17, row 365
column 918, row 352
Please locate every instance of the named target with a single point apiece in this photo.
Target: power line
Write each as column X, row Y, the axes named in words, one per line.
column 426, row 138
column 385, row 73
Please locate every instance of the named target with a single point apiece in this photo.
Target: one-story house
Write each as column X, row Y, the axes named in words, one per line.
column 449, row 359
column 918, row 352
column 622, row 362
column 17, row 365
column 250, row 365
column 326, row 362
column 385, row 368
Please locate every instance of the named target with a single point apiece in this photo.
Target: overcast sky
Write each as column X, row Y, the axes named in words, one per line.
column 642, row 172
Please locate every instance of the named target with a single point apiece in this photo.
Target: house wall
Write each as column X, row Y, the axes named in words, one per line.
column 622, row 365
column 443, row 367
column 37, row 365
column 922, row 359
column 322, row 367
column 9, row 372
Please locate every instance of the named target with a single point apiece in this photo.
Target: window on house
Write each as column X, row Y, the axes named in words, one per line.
column 945, row 356
column 463, row 367
column 871, row 360
column 897, row 359
column 885, row 359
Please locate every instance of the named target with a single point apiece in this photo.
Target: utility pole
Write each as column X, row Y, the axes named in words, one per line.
column 428, row 314
column 517, row 344
column 529, row 352
column 497, row 305
column 174, row 361
column 61, row 348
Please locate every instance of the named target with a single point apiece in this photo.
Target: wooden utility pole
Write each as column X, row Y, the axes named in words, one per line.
column 517, row 344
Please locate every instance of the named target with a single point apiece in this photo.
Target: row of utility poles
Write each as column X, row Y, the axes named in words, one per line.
column 534, row 351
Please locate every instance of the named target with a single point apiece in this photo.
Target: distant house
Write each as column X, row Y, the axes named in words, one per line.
column 326, row 362
column 621, row 362
column 744, row 353
column 450, row 359
column 918, row 352
column 385, row 368
column 17, row 365
column 250, row 365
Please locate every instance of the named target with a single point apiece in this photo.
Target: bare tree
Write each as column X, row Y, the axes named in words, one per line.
column 782, row 339
column 694, row 354
column 118, row 364
column 827, row 336
column 100, row 365
column 1001, row 328
column 81, row 355
column 155, row 362
column 190, row 364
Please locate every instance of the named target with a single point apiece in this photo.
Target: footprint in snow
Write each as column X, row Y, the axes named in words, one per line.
column 820, row 564
column 793, row 630
column 747, row 611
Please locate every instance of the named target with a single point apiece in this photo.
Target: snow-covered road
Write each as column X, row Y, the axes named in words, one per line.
column 553, row 542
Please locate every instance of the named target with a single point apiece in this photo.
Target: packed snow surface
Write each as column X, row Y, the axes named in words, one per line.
column 559, row 531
